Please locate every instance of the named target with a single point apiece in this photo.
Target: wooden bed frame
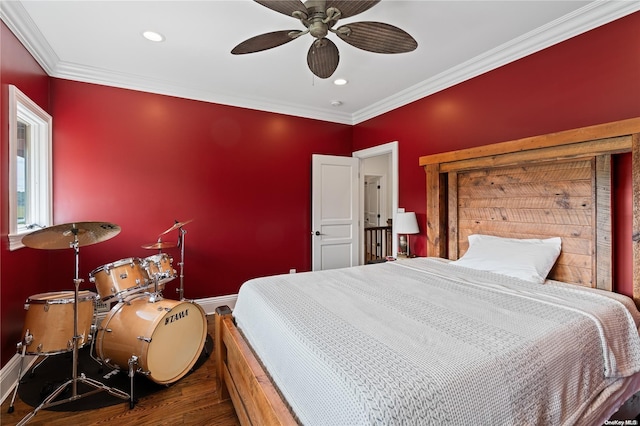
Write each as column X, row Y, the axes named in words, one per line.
column 552, row 185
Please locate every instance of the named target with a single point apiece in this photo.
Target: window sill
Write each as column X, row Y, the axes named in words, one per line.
column 15, row 241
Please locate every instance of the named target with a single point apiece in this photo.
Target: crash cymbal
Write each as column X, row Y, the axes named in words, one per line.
column 177, row 225
column 62, row 236
column 158, row 246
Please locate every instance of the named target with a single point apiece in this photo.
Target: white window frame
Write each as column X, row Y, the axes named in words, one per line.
column 39, row 167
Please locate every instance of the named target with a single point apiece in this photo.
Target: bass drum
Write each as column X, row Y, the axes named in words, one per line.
column 166, row 336
column 49, row 321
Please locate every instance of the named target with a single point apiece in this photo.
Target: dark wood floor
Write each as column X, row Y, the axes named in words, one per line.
column 189, row 401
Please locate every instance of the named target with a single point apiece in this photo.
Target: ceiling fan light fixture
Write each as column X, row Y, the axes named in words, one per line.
column 153, row 36
column 319, row 18
column 340, row 81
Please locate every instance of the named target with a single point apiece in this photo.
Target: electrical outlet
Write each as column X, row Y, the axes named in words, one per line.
column 292, row 271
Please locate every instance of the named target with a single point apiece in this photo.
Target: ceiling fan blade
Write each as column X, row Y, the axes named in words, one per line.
column 349, row 8
column 377, row 37
column 265, row 41
column 286, row 7
column 323, row 58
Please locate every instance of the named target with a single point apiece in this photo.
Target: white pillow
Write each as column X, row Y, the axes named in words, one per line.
column 527, row 259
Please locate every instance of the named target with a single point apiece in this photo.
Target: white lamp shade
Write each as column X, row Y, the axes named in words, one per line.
column 406, row 223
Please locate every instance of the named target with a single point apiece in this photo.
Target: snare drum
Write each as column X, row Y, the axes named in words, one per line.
column 166, row 336
column 48, row 327
column 119, row 279
column 160, row 267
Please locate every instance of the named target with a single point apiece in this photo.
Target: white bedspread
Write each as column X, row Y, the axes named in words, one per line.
column 424, row 342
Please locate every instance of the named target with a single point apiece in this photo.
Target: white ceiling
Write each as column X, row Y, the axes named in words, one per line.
column 100, row 42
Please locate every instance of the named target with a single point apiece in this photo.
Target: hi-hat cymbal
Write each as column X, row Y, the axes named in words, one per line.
column 158, row 246
column 177, row 225
column 62, row 236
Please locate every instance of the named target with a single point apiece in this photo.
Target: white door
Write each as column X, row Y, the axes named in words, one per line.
column 334, row 212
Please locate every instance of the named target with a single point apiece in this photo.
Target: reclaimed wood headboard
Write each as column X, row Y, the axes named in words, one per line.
column 557, row 184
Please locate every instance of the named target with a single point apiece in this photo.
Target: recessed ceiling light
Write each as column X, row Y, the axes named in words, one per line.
column 340, row 82
column 153, row 36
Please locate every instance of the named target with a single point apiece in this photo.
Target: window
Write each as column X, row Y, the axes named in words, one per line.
column 30, row 181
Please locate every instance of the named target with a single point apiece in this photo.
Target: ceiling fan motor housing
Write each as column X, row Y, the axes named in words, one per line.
column 318, row 29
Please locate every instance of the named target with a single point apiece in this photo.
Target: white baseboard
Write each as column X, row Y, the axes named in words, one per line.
column 211, row 303
column 9, row 373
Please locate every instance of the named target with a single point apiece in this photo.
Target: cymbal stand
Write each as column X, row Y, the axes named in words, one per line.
column 98, row 387
column 181, row 264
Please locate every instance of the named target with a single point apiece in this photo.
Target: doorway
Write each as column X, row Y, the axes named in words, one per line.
column 377, row 223
column 378, row 164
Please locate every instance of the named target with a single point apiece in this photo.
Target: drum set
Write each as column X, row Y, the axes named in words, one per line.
column 143, row 332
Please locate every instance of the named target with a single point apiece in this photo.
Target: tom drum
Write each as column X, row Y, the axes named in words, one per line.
column 159, row 266
column 166, row 336
column 48, row 326
column 120, row 279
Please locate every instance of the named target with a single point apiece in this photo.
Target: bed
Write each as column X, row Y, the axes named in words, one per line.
column 430, row 340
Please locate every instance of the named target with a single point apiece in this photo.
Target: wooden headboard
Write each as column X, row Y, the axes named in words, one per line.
column 545, row 186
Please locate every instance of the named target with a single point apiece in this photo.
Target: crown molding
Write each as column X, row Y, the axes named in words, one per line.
column 103, row 77
column 142, row 83
column 582, row 20
column 14, row 15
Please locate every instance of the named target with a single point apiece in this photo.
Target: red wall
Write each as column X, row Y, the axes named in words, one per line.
column 142, row 160
column 20, row 271
column 591, row 79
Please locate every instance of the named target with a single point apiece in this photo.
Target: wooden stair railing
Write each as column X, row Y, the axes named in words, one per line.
column 377, row 243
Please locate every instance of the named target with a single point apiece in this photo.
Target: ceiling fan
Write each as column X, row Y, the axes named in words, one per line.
column 319, row 17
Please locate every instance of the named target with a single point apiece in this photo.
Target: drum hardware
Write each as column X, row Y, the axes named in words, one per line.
column 179, row 226
column 21, row 346
column 181, row 263
column 73, row 235
column 160, row 270
column 132, row 371
column 94, row 330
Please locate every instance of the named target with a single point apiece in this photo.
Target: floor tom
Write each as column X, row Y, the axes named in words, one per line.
column 48, row 327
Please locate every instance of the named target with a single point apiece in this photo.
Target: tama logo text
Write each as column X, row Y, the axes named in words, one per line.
column 176, row 316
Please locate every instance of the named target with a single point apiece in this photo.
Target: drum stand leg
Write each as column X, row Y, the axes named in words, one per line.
column 15, row 391
column 38, row 364
column 98, row 387
column 132, row 371
column 94, row 329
